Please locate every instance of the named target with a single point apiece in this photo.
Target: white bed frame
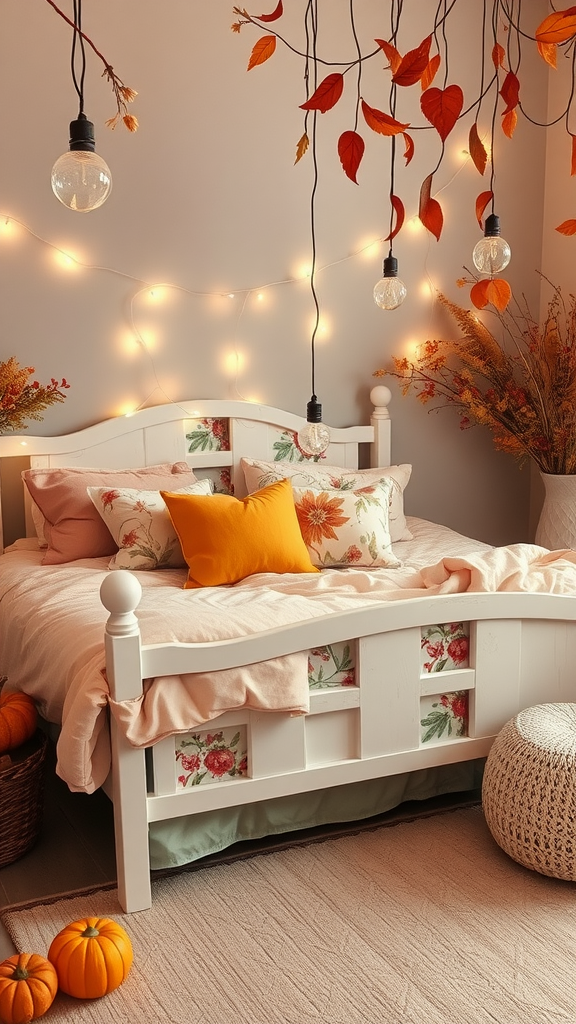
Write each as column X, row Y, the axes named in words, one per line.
column 522, row 649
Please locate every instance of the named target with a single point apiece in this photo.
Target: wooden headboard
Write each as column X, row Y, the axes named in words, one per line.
column 211, row 436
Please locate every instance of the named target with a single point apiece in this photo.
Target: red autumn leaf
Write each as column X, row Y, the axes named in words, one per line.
column 557, row 27
column 398, row 207
column 350, row 151
column 380, row 122
column 430, row 72
column 510, row 91
column 478, row 294
column 573, row 162
column 408, row 148
column 509, row 122
column 277, row 13
column 498, row 55
column 481, row 203
column 567, row 227
column 394, row 58
column 442, row 108
column 495, row 290
column 302, row 146
column 261, row 51
column 326, row 95
column 413, row 64
column 430, row 211
column 477, row 149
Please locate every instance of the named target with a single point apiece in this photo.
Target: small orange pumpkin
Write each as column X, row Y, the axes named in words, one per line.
column 92, row 957
column 18, row 719
column 28, row 985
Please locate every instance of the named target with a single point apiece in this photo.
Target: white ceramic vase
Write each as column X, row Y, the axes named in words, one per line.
column 557, row 525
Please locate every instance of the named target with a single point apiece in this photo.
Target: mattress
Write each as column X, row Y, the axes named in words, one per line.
column 52, row 625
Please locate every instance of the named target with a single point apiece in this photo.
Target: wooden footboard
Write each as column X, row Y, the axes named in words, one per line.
column 416, row 699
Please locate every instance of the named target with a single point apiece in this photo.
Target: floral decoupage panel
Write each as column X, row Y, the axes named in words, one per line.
column 206, row 757
column 444, row 647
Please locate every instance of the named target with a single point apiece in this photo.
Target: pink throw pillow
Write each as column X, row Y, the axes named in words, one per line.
column 72, row 527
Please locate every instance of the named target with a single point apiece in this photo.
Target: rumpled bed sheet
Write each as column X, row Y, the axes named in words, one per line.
column 52, row 626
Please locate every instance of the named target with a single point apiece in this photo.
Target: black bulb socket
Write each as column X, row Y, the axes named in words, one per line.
column 390, row 268
column 492, row 226
column 82, row 134
column 314, row 411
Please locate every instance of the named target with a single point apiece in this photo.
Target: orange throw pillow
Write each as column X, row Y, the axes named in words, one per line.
column 225, row 539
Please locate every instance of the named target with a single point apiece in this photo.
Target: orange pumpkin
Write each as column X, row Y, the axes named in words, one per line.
column 28, row 985
column 18, row 719
column 92, row 957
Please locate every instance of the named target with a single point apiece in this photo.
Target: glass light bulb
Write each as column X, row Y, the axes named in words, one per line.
column 313, row 438
column 389, row 292
column 491, row 254
column 81, row 180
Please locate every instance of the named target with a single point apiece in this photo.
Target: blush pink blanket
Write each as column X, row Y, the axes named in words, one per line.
column 52, row 626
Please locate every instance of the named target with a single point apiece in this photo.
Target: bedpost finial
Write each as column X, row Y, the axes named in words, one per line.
column 120, row 593
column 381, row 396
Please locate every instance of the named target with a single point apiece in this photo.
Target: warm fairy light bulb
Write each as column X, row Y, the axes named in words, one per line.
column 492, row 253
column 81, row 179
column 390, row 291
column 314, row 437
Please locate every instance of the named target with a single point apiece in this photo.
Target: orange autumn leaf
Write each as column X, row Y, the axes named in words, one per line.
column 430, row 211
column 573, row 161
column 442, row 108
column 398, row 207
column 326, row 95
column 509, row 122
column 567, row 227
column 548, row 52
column 408, row 148
column 498, row 55
column 413, row 64
column 477, row 149
column 394, row 58
column 481, row 203
column 510, row 91
column 495, row 290
column 350, row 151
column 430, row 71
column 276, row 13
column 302, row 146
column 380, row 122
column 557, row 27
column 262, row 51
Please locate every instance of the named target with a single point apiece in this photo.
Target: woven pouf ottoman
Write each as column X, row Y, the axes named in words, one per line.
column 529, row 789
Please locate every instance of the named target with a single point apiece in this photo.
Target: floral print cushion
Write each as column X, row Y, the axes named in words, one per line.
column 141, row 526
column 345, row 528
column 259, row 474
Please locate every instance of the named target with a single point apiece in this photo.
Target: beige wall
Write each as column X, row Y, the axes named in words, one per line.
column 207, row 199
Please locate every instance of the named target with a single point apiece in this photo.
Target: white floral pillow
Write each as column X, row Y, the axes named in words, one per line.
column 141, row 525
column 346, row 528
column 312, row 474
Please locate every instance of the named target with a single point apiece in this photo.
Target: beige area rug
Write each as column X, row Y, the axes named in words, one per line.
column 426, row 922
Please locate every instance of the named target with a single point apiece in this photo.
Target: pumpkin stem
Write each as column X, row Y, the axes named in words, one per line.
column 20, row 974
column 90, row 932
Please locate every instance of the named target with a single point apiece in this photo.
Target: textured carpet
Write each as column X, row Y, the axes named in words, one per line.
column 427, row 922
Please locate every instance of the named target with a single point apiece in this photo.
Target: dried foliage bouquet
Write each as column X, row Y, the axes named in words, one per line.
column 21, row 399
column 523, row 389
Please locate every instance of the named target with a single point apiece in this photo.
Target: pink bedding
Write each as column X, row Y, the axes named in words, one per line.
column 52, row 624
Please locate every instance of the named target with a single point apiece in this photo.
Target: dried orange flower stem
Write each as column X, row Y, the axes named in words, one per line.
column 523, row 390
column 21, row 399
column 122, row 93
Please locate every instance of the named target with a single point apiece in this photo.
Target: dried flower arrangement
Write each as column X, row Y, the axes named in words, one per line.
column 523, row 390
column 21, row 399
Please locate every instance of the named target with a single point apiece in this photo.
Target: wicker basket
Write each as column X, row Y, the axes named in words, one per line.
column 21, row 797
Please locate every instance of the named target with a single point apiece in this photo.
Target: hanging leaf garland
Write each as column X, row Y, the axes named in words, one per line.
column 477, row 149
column 430, row 211
column 277, row 13
column 382, row 123
column 442, row 107
column 481, row 203
column 262, row 51
column 398, row 208
column 351, row 151
column 326, row 95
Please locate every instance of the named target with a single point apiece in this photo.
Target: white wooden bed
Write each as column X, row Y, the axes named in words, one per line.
column 522, row 649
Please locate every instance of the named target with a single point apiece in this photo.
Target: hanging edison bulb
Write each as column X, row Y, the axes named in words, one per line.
column 390, row 290
column 81, row 179
column 492, row 253
column 313, row 438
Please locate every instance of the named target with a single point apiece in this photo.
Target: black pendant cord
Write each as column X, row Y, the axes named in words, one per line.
column 78, row 38
column 314, row 13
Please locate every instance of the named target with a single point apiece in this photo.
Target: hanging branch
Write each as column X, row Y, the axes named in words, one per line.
column 123, row 94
